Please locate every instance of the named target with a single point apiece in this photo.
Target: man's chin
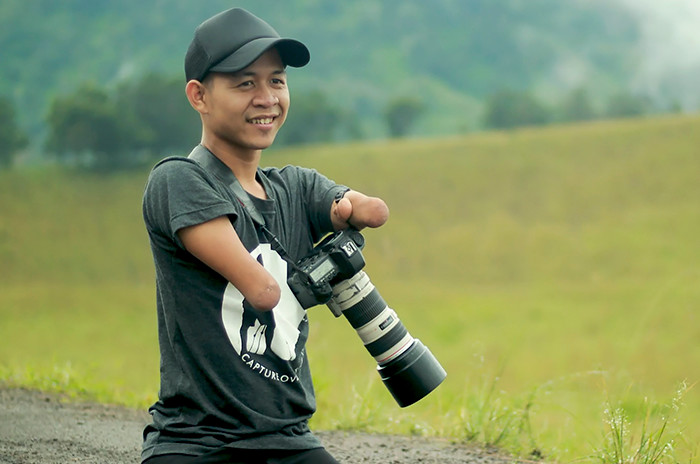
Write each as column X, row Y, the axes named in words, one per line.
column 266, row 142
column 263, row 145
column 257, row 142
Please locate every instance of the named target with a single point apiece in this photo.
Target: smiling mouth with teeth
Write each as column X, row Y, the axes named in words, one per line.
column 267, row 120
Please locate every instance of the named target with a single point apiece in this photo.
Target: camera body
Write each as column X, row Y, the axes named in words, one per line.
column 334, row 259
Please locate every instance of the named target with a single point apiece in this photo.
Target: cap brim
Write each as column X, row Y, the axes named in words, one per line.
column 292, row 52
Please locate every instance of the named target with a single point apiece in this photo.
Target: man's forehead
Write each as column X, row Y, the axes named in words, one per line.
column 257, row 71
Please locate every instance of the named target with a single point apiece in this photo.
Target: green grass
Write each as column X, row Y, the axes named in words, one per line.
column 553, row 272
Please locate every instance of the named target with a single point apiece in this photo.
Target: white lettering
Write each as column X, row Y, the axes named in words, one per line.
column 265, row 372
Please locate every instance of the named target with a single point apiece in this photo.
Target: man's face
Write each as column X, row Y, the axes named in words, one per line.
column 245, row 109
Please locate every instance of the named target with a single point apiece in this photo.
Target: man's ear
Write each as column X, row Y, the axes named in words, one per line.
column 195, row 92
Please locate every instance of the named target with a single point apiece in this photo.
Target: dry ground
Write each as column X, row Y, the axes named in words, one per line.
column 43, row 428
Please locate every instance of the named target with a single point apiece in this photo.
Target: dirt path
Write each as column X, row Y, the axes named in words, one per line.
column 38, row 428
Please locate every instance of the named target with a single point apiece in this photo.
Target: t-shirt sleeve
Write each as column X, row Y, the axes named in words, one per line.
column 180, row 194
column 319, row 193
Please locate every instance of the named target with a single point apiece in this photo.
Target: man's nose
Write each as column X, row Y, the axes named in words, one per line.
column 266, row 98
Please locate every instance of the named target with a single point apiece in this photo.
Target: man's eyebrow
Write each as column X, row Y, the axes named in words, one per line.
column 253, row 73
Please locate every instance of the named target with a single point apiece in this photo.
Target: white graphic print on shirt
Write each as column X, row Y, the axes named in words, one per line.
column 255, row 332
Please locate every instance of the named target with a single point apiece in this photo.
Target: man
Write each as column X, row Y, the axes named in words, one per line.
column 235, row 382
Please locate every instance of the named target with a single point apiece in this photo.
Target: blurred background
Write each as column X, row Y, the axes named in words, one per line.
column 540, row 159
column 378, row 69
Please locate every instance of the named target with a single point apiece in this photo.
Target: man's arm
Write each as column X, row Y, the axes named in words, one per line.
column 358, row 210
column 217, row 245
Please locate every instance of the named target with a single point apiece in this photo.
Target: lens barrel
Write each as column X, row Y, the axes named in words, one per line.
column 406, row 366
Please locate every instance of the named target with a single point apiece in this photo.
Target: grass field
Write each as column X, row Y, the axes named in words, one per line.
column 553, row 272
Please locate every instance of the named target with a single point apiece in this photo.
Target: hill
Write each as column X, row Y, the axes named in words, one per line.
column 364, row 53
column 553, row 272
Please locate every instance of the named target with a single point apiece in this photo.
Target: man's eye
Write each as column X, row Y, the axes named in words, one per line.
column 245, row 84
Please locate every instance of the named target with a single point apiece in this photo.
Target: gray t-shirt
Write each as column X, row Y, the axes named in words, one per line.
column 230, row 375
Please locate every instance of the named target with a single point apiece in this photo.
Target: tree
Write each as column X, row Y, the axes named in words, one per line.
column 160, row 108
column 577, row 106
column 508, row 109
column 626, row 105
column 401, row 114
column 12, row 138
column 311, row 119
column 88, row 128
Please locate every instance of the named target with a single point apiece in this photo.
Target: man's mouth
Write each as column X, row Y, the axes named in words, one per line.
column 262, row 120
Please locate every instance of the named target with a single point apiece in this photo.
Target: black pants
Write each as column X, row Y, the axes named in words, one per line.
column 234, row 456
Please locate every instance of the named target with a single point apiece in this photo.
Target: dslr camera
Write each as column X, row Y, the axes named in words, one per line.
column 332, row 274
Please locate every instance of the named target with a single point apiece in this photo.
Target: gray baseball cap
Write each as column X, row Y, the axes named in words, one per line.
column 233, row 39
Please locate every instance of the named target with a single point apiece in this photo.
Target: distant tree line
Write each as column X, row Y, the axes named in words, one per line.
column 509, row 109
column 145, row 119
column 12, row 138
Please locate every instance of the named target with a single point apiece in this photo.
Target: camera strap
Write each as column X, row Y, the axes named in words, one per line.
column 215, row 166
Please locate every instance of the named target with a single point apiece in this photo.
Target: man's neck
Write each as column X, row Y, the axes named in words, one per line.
column 243, row 163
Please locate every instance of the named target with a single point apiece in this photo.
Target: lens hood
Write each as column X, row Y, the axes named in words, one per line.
column 412, row 375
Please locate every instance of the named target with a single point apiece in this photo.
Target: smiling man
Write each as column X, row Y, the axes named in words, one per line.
column 235, row 380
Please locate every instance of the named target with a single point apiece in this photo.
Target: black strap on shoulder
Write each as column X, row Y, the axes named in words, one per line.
column 215, row 166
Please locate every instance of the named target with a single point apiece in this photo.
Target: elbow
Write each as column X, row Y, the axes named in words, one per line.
column 384, row 212
column 266, row 297
column 379, row 213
